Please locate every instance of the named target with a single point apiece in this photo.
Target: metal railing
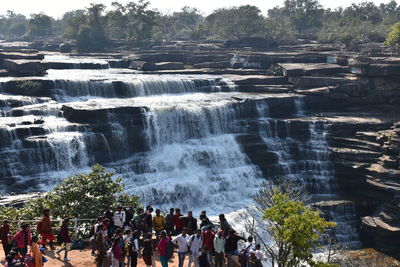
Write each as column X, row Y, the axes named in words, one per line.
column 56, row 224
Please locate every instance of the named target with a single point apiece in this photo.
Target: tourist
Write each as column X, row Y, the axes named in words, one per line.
column 116, row 250
column 148, row 251
column 208, row 240
column 178, row 222
column 65, row 239
column 158, row 223
column 253, row 261
column 102, row 243
column 139, row 221
column 205, row 222
column 231, row 248
column 108, row 214
column 36, row 254
column 95, row 228
column 5, row 237
column 162, row 248
column 119, row 218
column 190, row 223
column 45, row 230
column 195, row 245
column 170, row 222
column 182, row 241
column 203, row 258
column 224, row 225
column 259, row 254
column 245, row 252
column 219, row 248
column 135, row 248
column 129, row 213
column 127, row 246
column 22, row 239
column 149, row 219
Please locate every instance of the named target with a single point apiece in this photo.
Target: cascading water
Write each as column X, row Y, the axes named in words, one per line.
column 178, row 141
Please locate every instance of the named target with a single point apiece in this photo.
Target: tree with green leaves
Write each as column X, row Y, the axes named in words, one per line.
column 40, row 25
column 303, row 14
column 141, row 22
column 81, row 196
column 236, row 22
column 393, row 38
column 295, row 229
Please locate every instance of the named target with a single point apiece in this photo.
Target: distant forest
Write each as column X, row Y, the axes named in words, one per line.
column 135, row 24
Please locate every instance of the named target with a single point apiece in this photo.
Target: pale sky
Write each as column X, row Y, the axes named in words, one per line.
column 56, row 8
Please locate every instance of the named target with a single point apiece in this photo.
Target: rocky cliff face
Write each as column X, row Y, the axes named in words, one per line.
column 213, row 121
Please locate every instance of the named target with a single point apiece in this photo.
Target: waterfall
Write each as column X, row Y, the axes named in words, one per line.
column 112, row 85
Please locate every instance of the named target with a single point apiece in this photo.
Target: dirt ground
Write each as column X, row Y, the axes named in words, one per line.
column 81, row 258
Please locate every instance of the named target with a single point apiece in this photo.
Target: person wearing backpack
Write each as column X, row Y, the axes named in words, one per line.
column 182, row 241
column 219, row 247
column 65, row 239
column 245, row 252
column 126, row 238
column 164, row 249
column 135, row 248
column 194, row 246
column 22, row 239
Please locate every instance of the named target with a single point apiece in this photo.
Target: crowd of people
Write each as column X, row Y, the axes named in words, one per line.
column 120, row 238
column 16, row 246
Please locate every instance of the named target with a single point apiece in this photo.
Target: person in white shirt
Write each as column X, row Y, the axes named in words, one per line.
column 182, row 242
column 194, row 245
column 119, row 217
column 219, row 247
column 259, row 254
column 248, row 246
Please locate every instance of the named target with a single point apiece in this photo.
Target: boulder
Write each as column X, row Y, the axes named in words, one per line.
column 25, row 67
column 142, row 65
column 17, row 55
column 300, row 69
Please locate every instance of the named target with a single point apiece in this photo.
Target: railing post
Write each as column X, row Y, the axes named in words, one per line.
column 76, row 228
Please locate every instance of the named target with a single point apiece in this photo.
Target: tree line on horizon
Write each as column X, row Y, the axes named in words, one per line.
column 136, row 24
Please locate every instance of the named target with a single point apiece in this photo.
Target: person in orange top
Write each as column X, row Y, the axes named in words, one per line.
column 36, row 254
column 45, row 230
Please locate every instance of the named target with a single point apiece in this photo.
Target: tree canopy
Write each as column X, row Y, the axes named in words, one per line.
column 295, row 228
column 135, row 23
column 81, row 196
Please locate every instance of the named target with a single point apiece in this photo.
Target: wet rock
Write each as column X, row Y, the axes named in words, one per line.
column 142, row 65
column 25, row 67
